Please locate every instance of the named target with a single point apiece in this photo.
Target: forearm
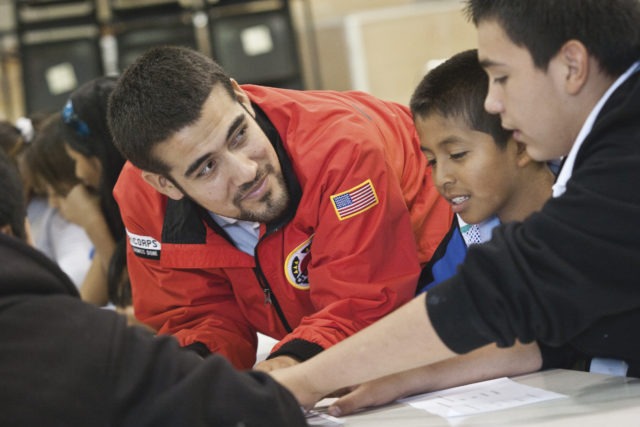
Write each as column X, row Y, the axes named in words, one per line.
column 485, row 363
column 488, row 362
column 371, row 353
column 94, row 288
column 100, row 235
column 83, row 209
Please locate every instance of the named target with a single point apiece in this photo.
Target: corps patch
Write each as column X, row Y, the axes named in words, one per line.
column 144, row 246
column 355, row 200
column 296, row 265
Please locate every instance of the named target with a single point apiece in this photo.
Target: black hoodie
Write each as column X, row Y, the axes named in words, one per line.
column 67, row 363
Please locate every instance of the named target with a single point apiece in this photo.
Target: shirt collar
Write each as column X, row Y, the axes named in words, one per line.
column 223, row 221
column 567, row 168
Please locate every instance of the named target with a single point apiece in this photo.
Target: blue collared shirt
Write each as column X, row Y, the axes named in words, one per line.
column 244, row 234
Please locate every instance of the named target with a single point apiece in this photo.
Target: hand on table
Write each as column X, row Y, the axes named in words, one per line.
column 276, row 363
column 370, row 394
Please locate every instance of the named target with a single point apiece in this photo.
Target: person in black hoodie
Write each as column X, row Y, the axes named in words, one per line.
column 64, row 362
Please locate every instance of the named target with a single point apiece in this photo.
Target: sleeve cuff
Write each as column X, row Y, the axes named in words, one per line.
column 454, row 317
column 199, row 348
column 299, row 349
column 563, row 357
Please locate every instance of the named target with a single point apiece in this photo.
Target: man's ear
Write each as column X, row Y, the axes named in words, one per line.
column 162, row 185
column 242, row 97
column 574, row 58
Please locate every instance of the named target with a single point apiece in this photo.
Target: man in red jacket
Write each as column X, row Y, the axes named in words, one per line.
column 303, row 215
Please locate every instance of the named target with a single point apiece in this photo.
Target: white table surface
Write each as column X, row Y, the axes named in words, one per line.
column 594, row 400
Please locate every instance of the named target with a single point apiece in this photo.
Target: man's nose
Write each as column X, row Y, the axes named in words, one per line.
column 243, row 168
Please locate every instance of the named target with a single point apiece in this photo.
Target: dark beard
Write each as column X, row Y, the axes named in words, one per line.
column 274, row 207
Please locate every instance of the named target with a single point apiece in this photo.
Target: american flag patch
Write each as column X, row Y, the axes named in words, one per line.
column 354, row 201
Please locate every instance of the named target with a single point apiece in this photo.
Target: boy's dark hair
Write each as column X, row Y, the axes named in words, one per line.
column 47, row 159
column 610, row 29
column 86, row 130
column 12, row 208
column 159, row 94
column 457, row 88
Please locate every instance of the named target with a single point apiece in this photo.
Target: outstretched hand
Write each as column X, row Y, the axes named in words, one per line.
column 276, row 363
column 370, row 394
column 298, row 384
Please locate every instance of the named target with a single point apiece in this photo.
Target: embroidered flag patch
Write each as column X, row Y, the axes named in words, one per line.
column 355, row 200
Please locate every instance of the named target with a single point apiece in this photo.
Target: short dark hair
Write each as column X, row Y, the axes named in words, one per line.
column 158, row 95
column 12, row 208
column 609, row 29
column 457, row 88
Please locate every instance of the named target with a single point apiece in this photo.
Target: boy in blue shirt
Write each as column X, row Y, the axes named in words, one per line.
column 486, row 175
column 488, row 178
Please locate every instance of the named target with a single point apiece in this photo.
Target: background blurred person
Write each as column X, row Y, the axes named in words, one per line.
column 53, row 170
column 97, row 165
column 62, row 241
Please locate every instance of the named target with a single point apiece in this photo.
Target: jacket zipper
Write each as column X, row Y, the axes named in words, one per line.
column 269, row 297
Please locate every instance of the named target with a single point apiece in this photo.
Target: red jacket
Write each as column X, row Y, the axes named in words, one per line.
column 343, row 257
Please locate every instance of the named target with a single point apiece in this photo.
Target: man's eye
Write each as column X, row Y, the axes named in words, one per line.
column 206, row 169
column 240, row 137
column 500, row 80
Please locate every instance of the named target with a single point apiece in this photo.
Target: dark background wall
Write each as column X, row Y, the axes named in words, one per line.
column 60, row 44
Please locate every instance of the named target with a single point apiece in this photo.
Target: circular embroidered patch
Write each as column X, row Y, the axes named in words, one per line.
column 296, row 264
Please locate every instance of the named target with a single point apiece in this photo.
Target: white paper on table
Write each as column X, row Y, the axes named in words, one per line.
column 477, row 398
column 316, row 418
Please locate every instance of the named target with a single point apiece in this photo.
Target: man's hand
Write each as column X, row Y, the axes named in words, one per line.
column 276, row 363
column 297, row 383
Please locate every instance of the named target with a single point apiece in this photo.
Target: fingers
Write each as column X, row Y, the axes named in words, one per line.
column 374, row 393
column 352, row 402
column 275, row 363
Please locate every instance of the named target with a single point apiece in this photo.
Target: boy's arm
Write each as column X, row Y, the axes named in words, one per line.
column 405, row 339
column 483, row 364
